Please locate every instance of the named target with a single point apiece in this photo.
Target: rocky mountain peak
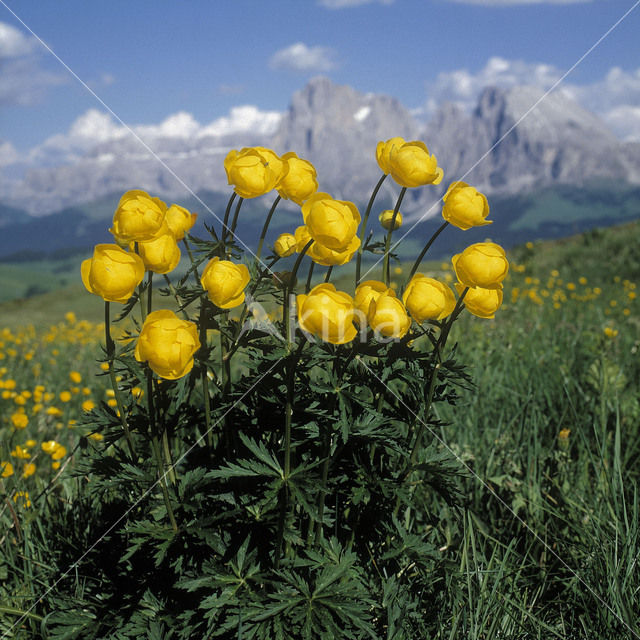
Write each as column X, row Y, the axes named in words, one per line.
column 337, row 128
column 515, row 139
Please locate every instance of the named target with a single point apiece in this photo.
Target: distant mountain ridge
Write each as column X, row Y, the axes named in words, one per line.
column 337, row 128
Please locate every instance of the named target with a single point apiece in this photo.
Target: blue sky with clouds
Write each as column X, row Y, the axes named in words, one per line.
column 149, row 60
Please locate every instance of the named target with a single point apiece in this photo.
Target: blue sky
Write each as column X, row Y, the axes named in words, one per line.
column 148, row 60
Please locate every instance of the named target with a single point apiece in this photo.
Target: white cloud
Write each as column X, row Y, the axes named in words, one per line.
column 624, row 121
column 463, row 87
column 8, row 154
column 615, row 98
column 96, row 127
column 300, row 57
column 13, row 43
column 244, row 119
column 343, row 4
column 23, row 81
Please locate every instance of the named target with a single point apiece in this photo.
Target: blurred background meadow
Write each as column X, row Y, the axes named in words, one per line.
column 547, row 439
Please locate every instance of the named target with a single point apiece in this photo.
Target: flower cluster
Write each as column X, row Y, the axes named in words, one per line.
column 333, row 230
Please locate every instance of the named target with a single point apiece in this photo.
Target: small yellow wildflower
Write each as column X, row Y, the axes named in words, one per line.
column 20, row 452
column 28, row 470
column 26, row 503
column 19, row 420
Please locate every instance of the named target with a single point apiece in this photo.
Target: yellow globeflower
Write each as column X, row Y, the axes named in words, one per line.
column 411, row 165
column 65, row 396
column 323, row 255
column 161, row 254
column 19, row 420
column 253, row 171
column 112, row 273
column 300, row 181
column 168, row 344
column 75, row 377
column 49, row 446
column 387, row 216
column 383, row 151
column 481, row 302
column 464, row 206
column 6, row 469
column 179, row 220
column 331, row 223
column 366, row 292
column 60, row 452
column 483, row 264
column 285, row 245
column 138, row 217
column 327, row 313
column 20, row 452
column 388, row 317
column 88, row 405
column 428, row 299
column 225, row 282
column 28, row 470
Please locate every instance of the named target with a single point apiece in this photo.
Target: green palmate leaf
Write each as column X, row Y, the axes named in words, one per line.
column 69, row 624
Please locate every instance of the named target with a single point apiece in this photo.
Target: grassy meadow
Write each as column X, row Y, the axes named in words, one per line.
column 547, row 541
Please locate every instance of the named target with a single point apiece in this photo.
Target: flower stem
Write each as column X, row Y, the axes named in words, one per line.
column 155, row 445
column 111, row 352
column 225, row 222
column 202, row 325
column 364, row 227
column 234, row 223
column 149, row 291
column 419, row 259
column 328, row 274
column 290, row 376
column 387, row 242
column 439, row 348
column 265, row 226
column 307, row 287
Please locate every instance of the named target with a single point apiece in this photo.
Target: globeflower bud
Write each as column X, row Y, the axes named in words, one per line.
column 483, row 264
column 388, row 317
column 138, row 217
column 464, row 206
column 167, row 343
column 285, row 245
column 225, row 282
column 112, row 273
column 179, row 220
column 411, row 165
column 367, row 291
column 481, row 302
column 253, row 171
column 327, row 313
column 332, row 223
column 428, row 299
column 323, row 255
column 161, row 254
column 300, row 181
column 384, row 149
column 387, row 216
